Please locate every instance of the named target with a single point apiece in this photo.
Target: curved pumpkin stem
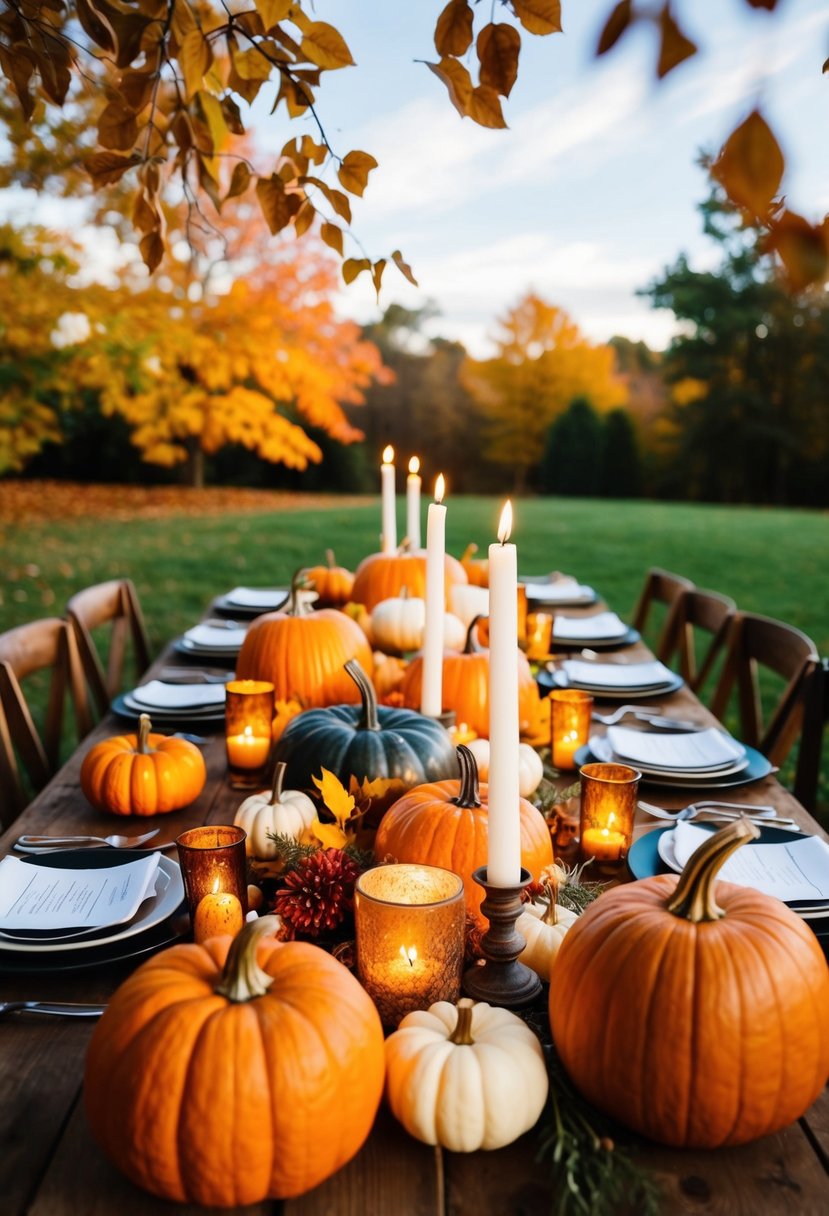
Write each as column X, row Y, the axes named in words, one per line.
column 550, row 916
column 142, row 742
column 330, row 559
column 299, row 582
column 368, row 719
column 242, row 978
column 693, row 898
column 278, row 778
column 468, row 794
column 471, row 645
column 462, row 1034
column 469, row 552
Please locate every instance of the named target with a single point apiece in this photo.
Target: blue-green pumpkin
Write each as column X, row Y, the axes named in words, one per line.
column 366, row 741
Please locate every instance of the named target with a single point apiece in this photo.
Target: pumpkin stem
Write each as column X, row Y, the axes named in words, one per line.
column 299, row 582
column 471, row 646
column 142, row 743
column 242, row 978
column 368, row 719
column 329, row 558
column 461, row 1036
column 278, row 777
column 693, row 898
column 469, row 552
column 468, row 794
column 550, row 916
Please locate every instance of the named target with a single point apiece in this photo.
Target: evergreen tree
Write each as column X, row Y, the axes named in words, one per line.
column 620, row 467
column 572, row 454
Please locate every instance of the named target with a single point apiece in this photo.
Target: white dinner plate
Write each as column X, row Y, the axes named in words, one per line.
column 601, row 749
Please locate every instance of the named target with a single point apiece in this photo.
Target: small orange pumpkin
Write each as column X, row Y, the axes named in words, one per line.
column 382, row 576
column 332, row 583
column 466, row 686
column 477, row 568
column 445, row 823
column 219, row 1078
column 303, row 653
column 142, row 774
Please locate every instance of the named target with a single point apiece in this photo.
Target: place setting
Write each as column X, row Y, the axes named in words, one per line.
column 558, row 591
column 251, row 601
column 215, row 639
column 172, row 703
column 610, row 680
column 701, row 758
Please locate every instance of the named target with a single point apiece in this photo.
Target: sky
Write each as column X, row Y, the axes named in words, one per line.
column 591, row 191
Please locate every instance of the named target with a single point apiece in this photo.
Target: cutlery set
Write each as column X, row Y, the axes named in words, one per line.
column 722, row 810
column 645, row 713
column 45, row 844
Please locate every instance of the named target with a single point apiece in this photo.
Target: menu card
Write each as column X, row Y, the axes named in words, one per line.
column 601, row 625
column 796, row 870
column 43, row 897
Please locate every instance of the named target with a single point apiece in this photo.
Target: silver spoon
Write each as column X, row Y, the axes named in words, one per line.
column 721, row 810
column 612, row 719
column 42, row 844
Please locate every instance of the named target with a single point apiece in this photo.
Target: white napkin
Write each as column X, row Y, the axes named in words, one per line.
column 558, row 593
column 796, row 870
column 216, row 637
column 158, row 695
column 617, row 675
column 577, row 628
column 696, row 750
column 40, row 897
column 257, row 597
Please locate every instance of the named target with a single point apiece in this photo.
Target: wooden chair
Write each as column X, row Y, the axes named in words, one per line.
column 26, row 755
column 696, row 610
column 115, row 602
column 755, row 643
column 661, row 587
column 815, row 717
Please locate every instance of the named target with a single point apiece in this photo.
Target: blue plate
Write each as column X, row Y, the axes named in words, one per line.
column 548, row 680
column 644, row 860
column 161, row 717
column 758, row 768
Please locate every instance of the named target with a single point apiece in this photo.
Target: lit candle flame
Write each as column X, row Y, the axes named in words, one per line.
column 388, row 454
column 505, row 523
column 414, row 464
column 248, row 732
column 409, row 955
column 440, row 487
column 611, row 819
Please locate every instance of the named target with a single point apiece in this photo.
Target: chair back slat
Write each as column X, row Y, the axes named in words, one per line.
column 660, row 586
column 114, row 602
column 697, row 610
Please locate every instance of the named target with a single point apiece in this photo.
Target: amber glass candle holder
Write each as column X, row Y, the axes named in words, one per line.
column 409, row 922
column 249, row 710
column 522, row 615
column 539, row 634
column 570, row 711
column 214, row 873
column 608, row 806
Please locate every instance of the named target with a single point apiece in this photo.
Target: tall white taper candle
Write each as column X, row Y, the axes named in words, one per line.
column 413, row 504
column 431, row 694
column 389, row 514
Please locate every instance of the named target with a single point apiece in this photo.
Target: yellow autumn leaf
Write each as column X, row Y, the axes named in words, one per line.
column 353, row 267
column 457, row 80
column 354, row 170
column 485, row 107
column 325, row 46
column 330, row 835
column 453, row 32
column 750, row 165
column 539, row 16
column 336, row 798
column 498, row 48
column 272, row 11
column 404, row 267
column 194, row 59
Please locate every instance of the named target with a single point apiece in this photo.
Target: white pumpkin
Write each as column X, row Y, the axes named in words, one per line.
column 397, row 624
column 530, row 765
column 543, row 927
column 467, row 602
column 274, row 812
column 468, row 1077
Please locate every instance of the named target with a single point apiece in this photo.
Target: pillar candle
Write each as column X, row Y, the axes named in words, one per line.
column 431, row 696
column 389, row 517
column 413, row 504
column 504, row 832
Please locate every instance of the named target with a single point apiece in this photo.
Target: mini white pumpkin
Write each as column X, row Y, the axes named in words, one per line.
column 543, row 927
column 397, row 624
column 468, row 1077
column 530, row 765
column 467, row 602
column 274, row 812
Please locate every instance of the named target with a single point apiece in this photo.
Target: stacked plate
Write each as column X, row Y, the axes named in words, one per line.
column 681, row 759
column 558, row 593
column 171, row 704
column 251, row 601
column 69, row 948
column 613, row 681
column 602, row 629
column 216, row 640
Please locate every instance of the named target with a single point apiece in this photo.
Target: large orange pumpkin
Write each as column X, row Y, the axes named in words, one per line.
column 382, row 576
column 696, row 1023
column 226, row 1087
column 304, row 653
column 331, row 582
column 466, row 686
column 444, row 824
column 477, row 568
column 142, row 774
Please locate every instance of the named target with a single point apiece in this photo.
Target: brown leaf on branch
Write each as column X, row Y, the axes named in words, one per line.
column 485, row 107
column 498, row 48
column 18, row 65
column 126, row 29
column 352, row 267
column 353, row 172
column 107, row 167
column 457, row 80
column 117, row 127
column 803, row 248
column 277, row 207
column 92, row 25
column 333, row 237
column 272, row 12
column 453, row 32
column 152, row 249
column 617, row 23
column 239, row 180
column 325, row 46
column 674, row 46
column 194, row 59
column 750, row 165
column 539, row 16
column 404, row 267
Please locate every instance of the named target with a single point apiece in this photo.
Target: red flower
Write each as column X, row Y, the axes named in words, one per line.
column 319, row 893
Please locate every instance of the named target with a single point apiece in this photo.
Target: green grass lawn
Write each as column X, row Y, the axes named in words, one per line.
column 769, row 561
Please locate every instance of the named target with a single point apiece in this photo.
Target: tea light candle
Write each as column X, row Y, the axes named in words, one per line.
column 218, row 914
column 570, row 711
column 462, row 733
column 504, row 832
column 409, row 922
column 248, row 750
column 214, row 873
column 603, row 844
column 249, row 711
column 608, row 805
column 431, row 695
column 413, row 504
column 388, row 503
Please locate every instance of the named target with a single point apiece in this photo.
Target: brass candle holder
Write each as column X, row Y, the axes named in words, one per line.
column 502, row 980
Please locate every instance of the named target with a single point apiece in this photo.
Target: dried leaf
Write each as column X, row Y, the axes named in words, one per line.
column 333, row 237
column 232, row 115
column 330, row 835
column 457, row 80
column 404, row 268
column 485, row 107
column 105, row 168
column 92, row 25
column 750, row 165
column 239, row 180
column 335, row 796
column 453, row 32
column 353, row 172
column 377, row 275
column 18, row 65
column 117, row 127
column 352, row 267
column 152, row 249
column 338, row 201
column 136, row 89
column 272, row 12
column 325, row 46
column 674, row 47
column 617, row 23
column 251, row 65
column 183, row 20
column 316, row 153
column 274, row 202
column 126, row 28
column 194, row 58
column 304, row 218
column 769, row 5
column 802, row 248
column 498, row 49
column 539, row 16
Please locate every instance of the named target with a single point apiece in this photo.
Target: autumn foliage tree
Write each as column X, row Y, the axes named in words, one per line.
column 543, row 363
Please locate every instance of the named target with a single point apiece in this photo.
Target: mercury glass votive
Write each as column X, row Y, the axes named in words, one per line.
column 249, row 710
column 539, row 634
column 608, row 805
column 570, row 711
column 409, row 922
column 214, row 872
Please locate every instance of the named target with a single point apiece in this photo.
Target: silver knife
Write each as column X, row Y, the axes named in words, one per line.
column 66, row 1009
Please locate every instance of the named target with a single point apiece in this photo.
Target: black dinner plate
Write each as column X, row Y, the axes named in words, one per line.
column 548, row 680
column 162, row 717
column 225, row 607
column 758, row 767
column 223, row 658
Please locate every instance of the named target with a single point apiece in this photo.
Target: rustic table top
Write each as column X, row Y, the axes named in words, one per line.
column 49, row 1164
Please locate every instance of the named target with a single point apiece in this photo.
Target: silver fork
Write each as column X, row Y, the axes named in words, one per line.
column 642, row 711
column 42, row 844
column 722, row 810
column 64, row 1009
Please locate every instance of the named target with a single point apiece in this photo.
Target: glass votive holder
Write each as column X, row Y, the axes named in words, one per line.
column 608, row 806
column 522, row 614
column 539, row 634
column 570, row 711
column 409, row 922
column 214, row 872
column 249, row 710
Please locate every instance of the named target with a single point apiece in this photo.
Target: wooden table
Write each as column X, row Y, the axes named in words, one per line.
column 49, row 1165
